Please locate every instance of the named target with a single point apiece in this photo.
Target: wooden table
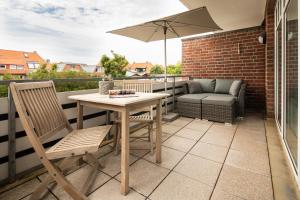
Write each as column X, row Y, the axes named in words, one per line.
column 124, row 105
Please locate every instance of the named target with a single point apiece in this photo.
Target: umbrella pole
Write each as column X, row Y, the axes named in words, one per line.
column 165, row 78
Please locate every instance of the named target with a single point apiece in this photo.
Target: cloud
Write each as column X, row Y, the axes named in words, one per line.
column 64, row 30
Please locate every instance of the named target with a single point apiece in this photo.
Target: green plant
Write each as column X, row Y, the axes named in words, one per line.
column 115, row 66
column 157, row 69
column 174, row 69
column 7, row 76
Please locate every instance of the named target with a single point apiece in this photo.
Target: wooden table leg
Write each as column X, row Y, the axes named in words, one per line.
column 125, row 152
column 158, row 132
column 79, row 115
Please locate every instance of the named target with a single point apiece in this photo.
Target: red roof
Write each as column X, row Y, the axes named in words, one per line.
column 10, row 57
column 134, row 65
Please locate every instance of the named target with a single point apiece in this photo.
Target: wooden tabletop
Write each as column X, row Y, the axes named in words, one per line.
column 105, row 99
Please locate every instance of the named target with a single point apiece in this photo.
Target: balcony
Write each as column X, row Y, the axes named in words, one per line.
column 200, row 159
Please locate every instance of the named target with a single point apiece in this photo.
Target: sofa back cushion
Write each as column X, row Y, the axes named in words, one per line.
column 223, row 86
column 194, row 87
column 207, row 85
column 235, row 87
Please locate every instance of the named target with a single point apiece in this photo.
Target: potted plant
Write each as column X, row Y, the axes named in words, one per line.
column 105, row 85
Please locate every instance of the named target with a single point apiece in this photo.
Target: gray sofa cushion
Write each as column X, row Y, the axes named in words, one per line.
column 207, row 85
column 219, row 95
column 235, row 87
column 194, row 87
column 219, row 100
column 191, row 98
column 223, row 86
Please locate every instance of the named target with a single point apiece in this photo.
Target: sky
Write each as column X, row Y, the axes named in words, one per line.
column 75, row 30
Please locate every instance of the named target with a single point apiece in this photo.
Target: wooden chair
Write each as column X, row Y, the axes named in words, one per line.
column 143, row 116
column 42, row 117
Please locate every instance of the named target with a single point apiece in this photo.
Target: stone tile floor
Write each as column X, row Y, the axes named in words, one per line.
column 200, row 160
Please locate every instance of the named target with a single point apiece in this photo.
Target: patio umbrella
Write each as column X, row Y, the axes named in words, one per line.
column 187, row 23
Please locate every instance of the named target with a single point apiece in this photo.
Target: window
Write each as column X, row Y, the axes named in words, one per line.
column 33, row 65
column 26, row 55
column 12, row 67
column 20, row 67
column 2, row 67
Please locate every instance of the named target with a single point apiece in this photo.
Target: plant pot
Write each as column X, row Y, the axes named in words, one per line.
column 105, row 86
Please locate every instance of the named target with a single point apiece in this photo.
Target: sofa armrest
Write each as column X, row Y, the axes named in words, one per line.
column 241, row 100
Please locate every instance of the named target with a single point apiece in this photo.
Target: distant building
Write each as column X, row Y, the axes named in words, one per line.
column 19, row 63
column 139, row 69
column 92, row 69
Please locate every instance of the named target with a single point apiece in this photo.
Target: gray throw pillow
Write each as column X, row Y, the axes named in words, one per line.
column 235, row 87
column 223, row 86
column 207, row 85
column 194, row 87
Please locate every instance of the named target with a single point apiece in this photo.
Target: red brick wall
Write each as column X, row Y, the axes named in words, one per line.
column 269, row 28
column 217, row 56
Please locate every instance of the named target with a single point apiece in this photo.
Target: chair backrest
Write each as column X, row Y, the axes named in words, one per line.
column 39, row 110
column 145, row 86
column 139, row 86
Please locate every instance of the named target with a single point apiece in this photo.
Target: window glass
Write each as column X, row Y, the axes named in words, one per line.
column 291, row 43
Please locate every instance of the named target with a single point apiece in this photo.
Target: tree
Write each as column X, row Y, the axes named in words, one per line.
column 54, row 67
column 7, row 76
column 174, row 69
column 115, row 66
column 157, row 69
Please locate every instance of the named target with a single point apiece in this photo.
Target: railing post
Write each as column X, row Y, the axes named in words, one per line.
column 173, row 92
column 11, row 138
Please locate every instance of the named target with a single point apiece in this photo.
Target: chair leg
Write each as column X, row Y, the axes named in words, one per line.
column 65, row 165
column 92, row 175
column 151, row 139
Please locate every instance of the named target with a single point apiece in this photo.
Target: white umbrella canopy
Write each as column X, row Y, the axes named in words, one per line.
column 187, row 23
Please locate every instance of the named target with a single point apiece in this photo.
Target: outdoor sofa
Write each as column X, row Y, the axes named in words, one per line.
column 219, row 100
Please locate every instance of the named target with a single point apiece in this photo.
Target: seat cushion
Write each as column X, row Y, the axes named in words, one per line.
column 191, row 98
column 207, row 85
column 194, row 87
column 235, row 87
column 223, row 86
column 219, row 100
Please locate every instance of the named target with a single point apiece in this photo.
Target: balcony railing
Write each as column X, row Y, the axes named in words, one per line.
column 17, row 157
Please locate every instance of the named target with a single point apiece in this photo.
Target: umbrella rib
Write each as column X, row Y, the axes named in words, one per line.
column 153, row 32
column 194, row 25
column 172, row 29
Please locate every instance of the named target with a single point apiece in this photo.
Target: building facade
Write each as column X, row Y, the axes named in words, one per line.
column 19, row 63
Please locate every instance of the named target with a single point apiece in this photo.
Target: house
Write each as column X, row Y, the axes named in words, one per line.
column 19, row 63
column 80, row 67
column 139, row 69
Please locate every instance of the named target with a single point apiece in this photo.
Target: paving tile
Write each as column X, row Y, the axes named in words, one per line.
column 77, row 179
column 218, row 138
column 200, row 169
column 164, row 136
column 198, row 124
column 104, row 150
column 245, row 184
column 222, row 128
column 170, row 157
column 144, row 176
column 21, row 191
column 112, row 163
column 178, row 187
column 179, row 143
column 181, row 122
column 140, row 132
column 221, row 195
column 245, row 145
column 285, row 188
column 210, row 151
column 252, row 161
column 170, row 129
column 190, row 133
column 111, row 191
column 250, row 135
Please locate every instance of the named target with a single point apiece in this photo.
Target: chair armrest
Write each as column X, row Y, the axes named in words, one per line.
column 241, row 100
